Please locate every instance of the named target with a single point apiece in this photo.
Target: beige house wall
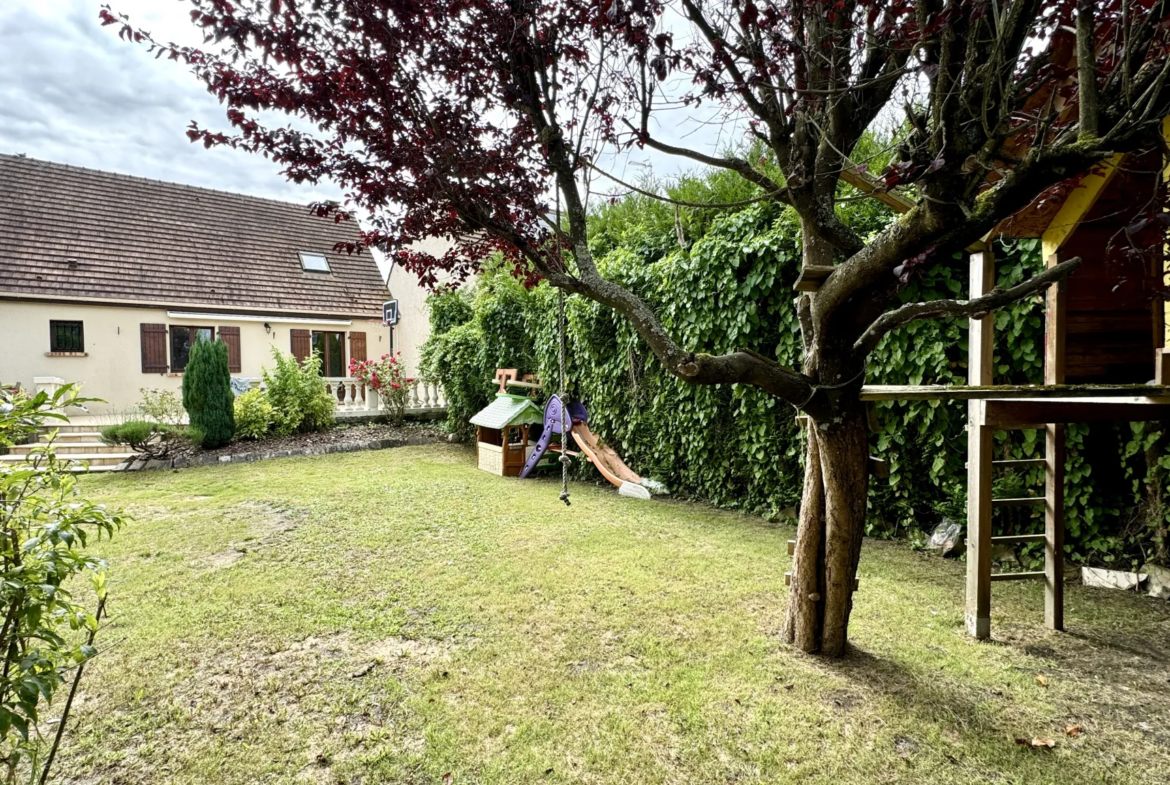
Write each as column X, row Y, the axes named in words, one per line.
column 112, row 366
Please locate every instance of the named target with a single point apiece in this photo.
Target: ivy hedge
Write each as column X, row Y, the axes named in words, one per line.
column 722, row 283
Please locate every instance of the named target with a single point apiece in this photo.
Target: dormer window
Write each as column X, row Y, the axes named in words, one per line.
column 314, row 262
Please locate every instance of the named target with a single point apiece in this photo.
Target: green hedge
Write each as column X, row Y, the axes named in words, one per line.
column 731, row 288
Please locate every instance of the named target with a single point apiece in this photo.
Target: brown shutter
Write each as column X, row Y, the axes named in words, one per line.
column 154, row 348
column 302, row 344
column 357, row 347
column 231, row 336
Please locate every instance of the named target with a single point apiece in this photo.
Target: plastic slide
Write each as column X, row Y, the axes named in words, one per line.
column 608, row 463
column 575, row 417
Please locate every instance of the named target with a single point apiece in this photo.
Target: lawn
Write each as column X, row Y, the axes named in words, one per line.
column 399, row 617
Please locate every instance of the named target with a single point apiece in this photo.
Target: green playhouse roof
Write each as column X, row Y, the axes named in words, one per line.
column 508, row 410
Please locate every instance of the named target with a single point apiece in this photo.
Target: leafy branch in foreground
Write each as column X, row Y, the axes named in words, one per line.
column 45, row 527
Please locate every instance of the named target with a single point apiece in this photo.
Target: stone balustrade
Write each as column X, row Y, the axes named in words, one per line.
column 354, row 398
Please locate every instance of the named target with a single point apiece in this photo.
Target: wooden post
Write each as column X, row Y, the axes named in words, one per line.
column 1054, row 527
column 980, row 343
column 1162, row 367
column 1054, row 328
column 1054, row 343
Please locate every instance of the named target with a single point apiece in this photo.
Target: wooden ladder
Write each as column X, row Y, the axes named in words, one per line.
column 981, row 464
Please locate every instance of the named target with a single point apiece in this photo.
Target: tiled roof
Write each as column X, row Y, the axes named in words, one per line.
column 71, row 232
column 508, row 410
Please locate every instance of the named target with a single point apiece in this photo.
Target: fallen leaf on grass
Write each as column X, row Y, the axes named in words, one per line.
column 1036, row 743
column 1042, row 681
column 1073, row 730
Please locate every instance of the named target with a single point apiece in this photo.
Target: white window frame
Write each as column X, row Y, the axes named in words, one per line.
column 306, row 265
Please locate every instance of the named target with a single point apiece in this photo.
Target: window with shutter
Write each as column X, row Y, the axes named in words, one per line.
column 357, row 347
column 301, row 344
column 231, row 336
column 154, row 348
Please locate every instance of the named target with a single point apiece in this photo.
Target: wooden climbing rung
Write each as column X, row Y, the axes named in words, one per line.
column 879, row 468
column 1026, row 501
column 1017, row 576
column 792, row 547
column 1020, row 463
column 1017, row 539
column 812, row 277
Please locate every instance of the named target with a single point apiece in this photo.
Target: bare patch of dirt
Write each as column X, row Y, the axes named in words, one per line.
column 266, row 523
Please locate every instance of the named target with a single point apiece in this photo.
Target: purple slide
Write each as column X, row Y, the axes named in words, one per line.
column 553, row 422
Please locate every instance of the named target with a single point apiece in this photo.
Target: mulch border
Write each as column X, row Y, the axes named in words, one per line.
column 190, row 461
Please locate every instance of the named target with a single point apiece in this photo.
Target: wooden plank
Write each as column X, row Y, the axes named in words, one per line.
column 946, row 392
column 1017, row 539
column 1162, row 367
column 1055, row 321
column 981, row 332
column 1023, row 414
column 979, row 447
column 1054, row 527
column 1016, row 576
column 812, row 276
column 980, row 373
column 878, row 467
column 792, row 547
column 1024, row 501
column 869, row 185
column 1020, row 463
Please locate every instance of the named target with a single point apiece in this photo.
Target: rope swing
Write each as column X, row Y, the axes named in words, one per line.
column 565, row 459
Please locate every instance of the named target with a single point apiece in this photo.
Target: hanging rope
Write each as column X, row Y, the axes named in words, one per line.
column 564, row 398
column 565, row 460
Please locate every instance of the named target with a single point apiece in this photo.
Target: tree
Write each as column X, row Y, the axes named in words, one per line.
column 489, row 121
column 207, row 394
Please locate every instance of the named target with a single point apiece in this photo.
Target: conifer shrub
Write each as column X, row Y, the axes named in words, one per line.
column 207, row 393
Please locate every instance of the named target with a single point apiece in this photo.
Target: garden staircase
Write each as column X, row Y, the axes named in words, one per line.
column 80, row 443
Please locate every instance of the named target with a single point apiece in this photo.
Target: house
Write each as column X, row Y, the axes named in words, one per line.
column 108, row 280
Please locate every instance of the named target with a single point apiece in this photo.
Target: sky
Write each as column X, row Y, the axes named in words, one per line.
column 72, row 92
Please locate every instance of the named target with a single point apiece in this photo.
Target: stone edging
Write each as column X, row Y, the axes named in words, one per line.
column 184, row 461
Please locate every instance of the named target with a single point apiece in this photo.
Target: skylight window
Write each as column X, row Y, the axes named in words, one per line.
column 314, row 262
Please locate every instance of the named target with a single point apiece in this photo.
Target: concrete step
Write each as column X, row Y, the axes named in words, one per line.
column 72, row 448
column 65, row 437
column 93, row 459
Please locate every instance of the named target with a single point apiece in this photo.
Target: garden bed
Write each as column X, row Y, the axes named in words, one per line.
column 343, row 438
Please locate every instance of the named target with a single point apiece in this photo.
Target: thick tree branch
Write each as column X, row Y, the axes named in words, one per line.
column 737, row 165
column 978, row 308
column 1086, row 71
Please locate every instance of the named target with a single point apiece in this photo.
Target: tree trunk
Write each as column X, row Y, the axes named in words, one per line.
column 828, row 540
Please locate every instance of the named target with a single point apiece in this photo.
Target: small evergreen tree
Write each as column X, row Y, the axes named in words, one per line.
column 207, row 393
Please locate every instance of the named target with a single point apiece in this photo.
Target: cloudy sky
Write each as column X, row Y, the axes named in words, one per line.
column 72, row 92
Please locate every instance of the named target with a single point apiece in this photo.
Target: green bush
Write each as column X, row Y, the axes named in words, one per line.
column 161, row 406
column 299, row 397
column 152, row 439
column 254, row 415
column 207, row 393
column 48, row 633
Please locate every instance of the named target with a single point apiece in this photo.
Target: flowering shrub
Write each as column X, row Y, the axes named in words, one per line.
column 388, row 378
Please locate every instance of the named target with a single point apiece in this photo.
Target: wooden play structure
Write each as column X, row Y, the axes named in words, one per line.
column 1105, row 355
column 502, row 429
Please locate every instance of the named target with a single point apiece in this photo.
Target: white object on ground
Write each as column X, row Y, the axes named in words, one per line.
column 633, row 491
column 1159, row 581
column 1111, row 579
column 655, row 487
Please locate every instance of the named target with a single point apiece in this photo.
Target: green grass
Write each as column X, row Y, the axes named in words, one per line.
column 397, row 616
